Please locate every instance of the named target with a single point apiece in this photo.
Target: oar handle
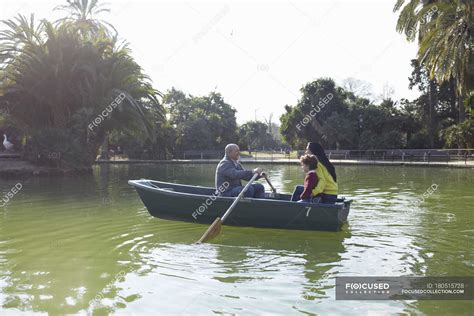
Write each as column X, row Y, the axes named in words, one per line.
column 241, row 194
column 269, row 183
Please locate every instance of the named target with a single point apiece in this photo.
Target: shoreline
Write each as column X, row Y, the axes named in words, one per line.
column 21, row 169
column 452, row 164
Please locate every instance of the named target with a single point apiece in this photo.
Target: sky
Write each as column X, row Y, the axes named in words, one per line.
column 257, row 54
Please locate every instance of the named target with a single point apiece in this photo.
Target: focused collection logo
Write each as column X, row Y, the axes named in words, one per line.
column 367, row 288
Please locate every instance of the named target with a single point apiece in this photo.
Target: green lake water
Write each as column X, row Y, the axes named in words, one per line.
column 87, row 245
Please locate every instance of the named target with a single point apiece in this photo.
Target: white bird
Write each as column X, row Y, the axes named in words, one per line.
column 6, row 143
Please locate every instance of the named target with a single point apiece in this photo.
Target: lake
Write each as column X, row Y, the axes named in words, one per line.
column 87, row 245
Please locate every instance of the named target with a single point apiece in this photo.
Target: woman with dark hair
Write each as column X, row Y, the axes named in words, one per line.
column 326, row 190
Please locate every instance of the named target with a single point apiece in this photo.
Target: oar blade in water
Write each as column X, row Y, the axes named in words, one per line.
column 212, row 231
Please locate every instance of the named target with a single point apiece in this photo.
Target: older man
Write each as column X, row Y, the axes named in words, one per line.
column 229, row 172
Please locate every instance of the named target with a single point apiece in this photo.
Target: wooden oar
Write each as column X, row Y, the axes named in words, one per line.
column 269, row 183
column 215, row 228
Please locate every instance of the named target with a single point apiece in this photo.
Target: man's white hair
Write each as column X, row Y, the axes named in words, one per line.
column 229, row 148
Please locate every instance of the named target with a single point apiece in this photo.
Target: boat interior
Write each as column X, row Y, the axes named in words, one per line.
column 191, row 189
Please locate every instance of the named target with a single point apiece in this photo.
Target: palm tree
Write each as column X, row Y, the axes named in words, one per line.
column 82, row 14
column 447, row 48
column 446, row 38
column 54, row 77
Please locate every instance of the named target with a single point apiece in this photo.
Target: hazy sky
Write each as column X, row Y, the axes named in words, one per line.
column 256, row 54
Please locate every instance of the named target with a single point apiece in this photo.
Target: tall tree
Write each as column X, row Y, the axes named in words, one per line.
column 445, row 32
column 84, row 15
column 343, row 121
column 201, row 122
column 308, row 119
column 255, row 135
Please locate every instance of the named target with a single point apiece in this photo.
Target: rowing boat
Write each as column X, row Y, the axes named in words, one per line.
column 202, row 205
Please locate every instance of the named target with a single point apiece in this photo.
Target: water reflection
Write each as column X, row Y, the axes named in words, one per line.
column 231, row 272
column 88, row 245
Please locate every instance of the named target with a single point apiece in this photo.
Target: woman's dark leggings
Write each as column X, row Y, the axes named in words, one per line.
column 321, row 198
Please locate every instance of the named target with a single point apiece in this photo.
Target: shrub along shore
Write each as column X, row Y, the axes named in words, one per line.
column 15, row 169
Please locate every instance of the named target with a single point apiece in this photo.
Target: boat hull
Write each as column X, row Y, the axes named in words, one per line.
column 201, row 205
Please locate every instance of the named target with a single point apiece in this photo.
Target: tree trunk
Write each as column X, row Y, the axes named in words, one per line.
column 453, row 96
column 101, row 145
column 104, row 151
column 462, row 109
column 432, row 100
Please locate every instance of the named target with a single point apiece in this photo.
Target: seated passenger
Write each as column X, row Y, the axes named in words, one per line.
column 303, row 193
column 326, row 190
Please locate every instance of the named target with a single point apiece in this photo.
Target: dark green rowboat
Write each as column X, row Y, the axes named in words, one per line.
column 200, row 205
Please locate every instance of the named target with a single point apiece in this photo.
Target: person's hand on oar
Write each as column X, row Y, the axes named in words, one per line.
column 215, row 228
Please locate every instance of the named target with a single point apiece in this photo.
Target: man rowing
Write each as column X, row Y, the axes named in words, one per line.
column 229, row 173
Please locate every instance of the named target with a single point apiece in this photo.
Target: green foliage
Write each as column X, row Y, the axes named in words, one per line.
column 419, row 140
column 444, row 112
column 63, row 76
column 445, row 41
column 345, row 122
column 460, row 135
column 288, row 129
column 57, row 147
column 82, row 14
column 341, row 130
column 205, row 122
column 57, row 77
column 319, row 100
column 254, row 135
column 351, row 122
column 388, row 140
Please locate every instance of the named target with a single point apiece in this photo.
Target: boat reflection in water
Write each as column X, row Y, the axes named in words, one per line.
column 297, row 271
